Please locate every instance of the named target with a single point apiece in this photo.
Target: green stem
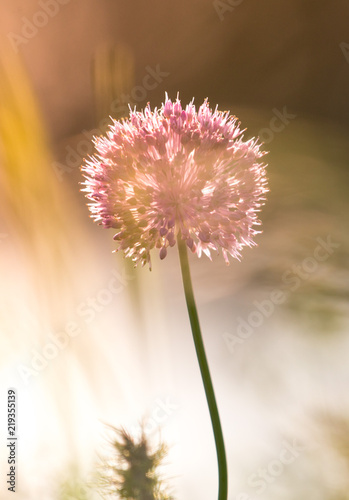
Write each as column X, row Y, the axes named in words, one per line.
column 205, row 372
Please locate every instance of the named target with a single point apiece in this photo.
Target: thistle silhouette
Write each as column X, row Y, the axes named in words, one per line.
column 132, row 473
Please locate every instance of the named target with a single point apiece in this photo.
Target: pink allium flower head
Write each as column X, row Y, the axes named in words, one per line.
column 177, row 171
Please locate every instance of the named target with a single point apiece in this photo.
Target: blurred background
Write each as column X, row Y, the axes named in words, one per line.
column 86, row 339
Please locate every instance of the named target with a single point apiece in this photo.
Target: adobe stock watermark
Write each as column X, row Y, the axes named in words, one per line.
column 223, row 6
column 345, row 50
column 260, row 480
column 277, row 124
column 30, row 27
column 162, row 411
column 151, row 80
column 292, row 279
column 87, row 311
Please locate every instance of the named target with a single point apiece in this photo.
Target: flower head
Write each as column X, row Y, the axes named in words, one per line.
column 177, row 172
